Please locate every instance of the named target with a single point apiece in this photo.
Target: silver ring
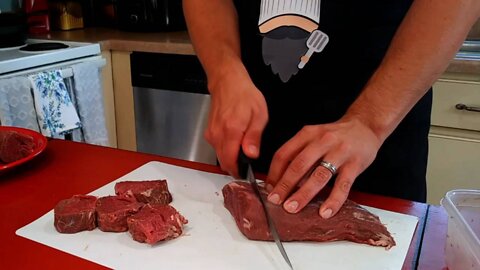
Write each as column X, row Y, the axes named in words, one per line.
column 329, row 166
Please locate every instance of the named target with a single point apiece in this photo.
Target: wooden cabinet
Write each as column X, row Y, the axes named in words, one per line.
column 124, row 113
column 454, row 140
column 108, row 94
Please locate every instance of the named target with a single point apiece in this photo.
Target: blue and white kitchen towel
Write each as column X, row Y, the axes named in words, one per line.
column 16, row 103
column 56, row 114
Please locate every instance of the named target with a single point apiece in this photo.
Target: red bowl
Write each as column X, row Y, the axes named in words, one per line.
column 40, row 145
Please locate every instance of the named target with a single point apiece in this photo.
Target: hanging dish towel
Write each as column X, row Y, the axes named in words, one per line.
column 55, row 111
column 16, row 103
column 88, row 93
column 77, row 134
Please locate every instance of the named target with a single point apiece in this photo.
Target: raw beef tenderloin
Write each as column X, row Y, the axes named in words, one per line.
column 75, row 214
column 112, row 212
column 15, row 146
column 352, row 222
column 155, row 222
column 153, row 192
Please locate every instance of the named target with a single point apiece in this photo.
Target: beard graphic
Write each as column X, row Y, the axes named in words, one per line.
column 282, row 49
column 290, row 34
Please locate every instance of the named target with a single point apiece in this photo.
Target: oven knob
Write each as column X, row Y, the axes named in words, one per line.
column 133, row 18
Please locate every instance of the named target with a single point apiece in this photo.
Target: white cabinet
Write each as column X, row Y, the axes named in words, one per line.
column 454, row 162
column 454, row 140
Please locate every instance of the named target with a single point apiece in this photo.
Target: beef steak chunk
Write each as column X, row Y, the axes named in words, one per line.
column 112, row 212
column 351, row 223
column 152, row 192
column 75, row 214
column 15, row 146
column 155, row 222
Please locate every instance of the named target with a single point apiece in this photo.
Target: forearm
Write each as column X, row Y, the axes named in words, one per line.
column 422, row 48
column 213, row 29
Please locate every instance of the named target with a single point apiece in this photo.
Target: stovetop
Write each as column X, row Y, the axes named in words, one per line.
column 14, row 59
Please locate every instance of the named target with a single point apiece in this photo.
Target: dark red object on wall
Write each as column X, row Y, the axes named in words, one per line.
column 37, row 16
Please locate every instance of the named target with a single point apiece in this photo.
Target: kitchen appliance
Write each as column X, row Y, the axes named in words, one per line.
column 212, row 239
column 8, row 5
column 37, row 16
column 101, row 13
column 13, row 29
column 74, row 69
column 171, row 105
column 15, row 61
column 11, row 6
column 150, row 15
column 13, row 24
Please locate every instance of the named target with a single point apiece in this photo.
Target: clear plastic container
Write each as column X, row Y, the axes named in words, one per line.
column 462, row 247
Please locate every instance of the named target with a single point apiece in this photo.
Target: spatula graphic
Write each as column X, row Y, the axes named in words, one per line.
column 315, row 43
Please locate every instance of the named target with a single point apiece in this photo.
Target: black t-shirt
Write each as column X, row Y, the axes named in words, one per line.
column 359, row 35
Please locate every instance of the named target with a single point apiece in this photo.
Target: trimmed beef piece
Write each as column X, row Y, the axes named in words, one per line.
column 153, row 191
column 155, row 222
column 15, row 146
column 75, row 214
column 112, row 212
column 351, row 223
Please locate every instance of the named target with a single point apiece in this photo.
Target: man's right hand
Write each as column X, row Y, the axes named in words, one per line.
column 238, row 116
column 238, row 112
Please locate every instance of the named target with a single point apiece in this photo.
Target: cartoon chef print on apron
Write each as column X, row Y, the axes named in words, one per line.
column 290, row 34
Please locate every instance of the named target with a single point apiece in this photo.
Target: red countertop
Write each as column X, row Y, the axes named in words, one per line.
column 66, row 168
column 433, row 245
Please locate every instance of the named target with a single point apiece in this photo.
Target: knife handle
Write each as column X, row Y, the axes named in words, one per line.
column 242, row 161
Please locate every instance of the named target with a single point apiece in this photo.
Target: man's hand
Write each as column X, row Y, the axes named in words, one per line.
column 349, row 145
column 238, row 115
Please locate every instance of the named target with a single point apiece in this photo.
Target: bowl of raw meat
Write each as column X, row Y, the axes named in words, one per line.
column 19, row 145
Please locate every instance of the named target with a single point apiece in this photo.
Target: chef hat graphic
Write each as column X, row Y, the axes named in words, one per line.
column 304, row 14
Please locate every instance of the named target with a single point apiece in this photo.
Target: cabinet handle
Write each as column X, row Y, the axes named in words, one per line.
column 462, row 107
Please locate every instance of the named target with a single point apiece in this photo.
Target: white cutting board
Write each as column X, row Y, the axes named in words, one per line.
column 211, row 239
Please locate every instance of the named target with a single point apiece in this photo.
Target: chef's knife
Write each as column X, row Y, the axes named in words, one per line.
column 245, row 171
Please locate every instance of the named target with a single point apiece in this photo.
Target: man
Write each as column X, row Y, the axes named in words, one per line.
column 316, row 90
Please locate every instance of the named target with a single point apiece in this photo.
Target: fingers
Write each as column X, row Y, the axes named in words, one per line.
column 225, row 145
column 236, row 126
column 314, row 183
column 299, row 168
column 230, row 147
column 335, row 143
column 253, row 134
column 340, row 191
column 285, row 156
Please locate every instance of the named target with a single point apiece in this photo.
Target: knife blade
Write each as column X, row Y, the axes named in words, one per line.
column 245, row 171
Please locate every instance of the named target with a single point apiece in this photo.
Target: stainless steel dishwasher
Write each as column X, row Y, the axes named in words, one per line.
column 171, row 106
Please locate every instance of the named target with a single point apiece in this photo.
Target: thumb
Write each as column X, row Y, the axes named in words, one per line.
column 252, row 138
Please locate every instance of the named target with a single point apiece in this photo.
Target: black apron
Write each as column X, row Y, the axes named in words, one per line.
column 360, row 33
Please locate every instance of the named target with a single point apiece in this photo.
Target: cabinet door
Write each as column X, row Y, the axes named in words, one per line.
column 124, row 113
column 446, row 95
column 454, row 163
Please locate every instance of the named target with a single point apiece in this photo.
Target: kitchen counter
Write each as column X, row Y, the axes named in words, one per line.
column 179, row 43
column 436, row 232
column 66, row 168
column 116, row 40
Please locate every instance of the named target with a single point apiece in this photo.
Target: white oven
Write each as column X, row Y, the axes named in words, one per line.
column 28, row 72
